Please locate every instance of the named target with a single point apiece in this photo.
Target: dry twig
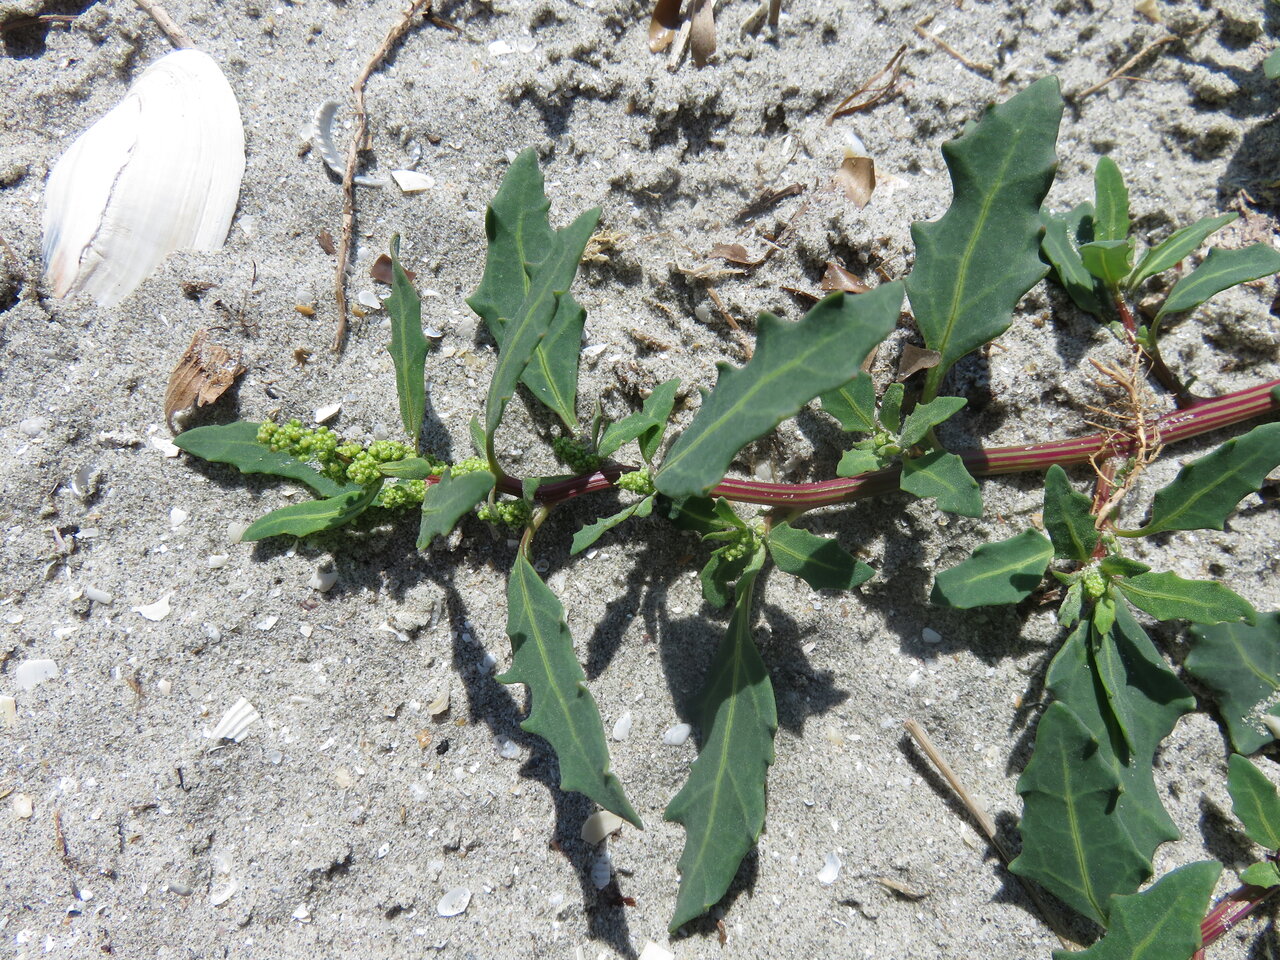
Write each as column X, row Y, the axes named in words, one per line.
column 1126, row 66
column 851, row 103
column 358, row 143
column 975, row 65
column 168, row 26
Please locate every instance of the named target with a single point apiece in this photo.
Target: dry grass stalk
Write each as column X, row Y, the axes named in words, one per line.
column 851, row 104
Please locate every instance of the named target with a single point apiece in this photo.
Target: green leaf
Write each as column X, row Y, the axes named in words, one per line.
column 446, row 502
column 1205, row 491
column 1254, row 801
column 1170, row 251
column 1004, row 572
column 821, row 563
column 1072, row 605
column 648, row 424
column 1063, row 234
column 301, row 519
column 926, row 416
column 1160, row 923
column 856, row 462
column 1166, row 596
column 724, row 567
column 479, row 442
column 943, row 476
column 1108, row 260
column 1071, row 844
column 552, row 373
column 1221, row 270
column 1111, row 201
column 237, row 444
column 1271, row 65
column 891, row 407
column 526, row 330
column 722, row 805
column 976, row 262
column 697, row 514
column 853, row 404
column 1118, row 566
column 594, row 531
column 563, row 712
column 1067, row 518
column 1240, row 664
column 410, row 468
column 1265, row 874
column 408, row 347
column 793, row 363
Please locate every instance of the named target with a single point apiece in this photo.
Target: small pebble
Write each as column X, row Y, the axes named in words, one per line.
column 177, row 517
column 179, row 888
column 929, row 635
column 652, row 951
column 23, row 806
column 602, row 870
column 9, row 712
column 217, row 561
column 98, row 596
column 33, row 426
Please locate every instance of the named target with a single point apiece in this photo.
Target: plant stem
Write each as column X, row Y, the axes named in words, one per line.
column 1233, row 908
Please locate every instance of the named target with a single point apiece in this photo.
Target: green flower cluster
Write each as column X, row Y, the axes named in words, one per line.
column 638, row 481
column 514, row 513
column 469, row 465
column 347, row 462
column 573, row 453
column 404, row 495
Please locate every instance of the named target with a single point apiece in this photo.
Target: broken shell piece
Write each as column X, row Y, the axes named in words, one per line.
column 301, row 913
column 856, row 177
column 440, row 705
column 9, row 712
column 830, row 870
column 23, row 806
column 323, row 580
column 327, row 412
column 322, row 140
column 160, row 172
column 221, row 895
column 82, row 481
column 652, row 951
column 177, row 517
column 599, row 825
column 98, row 596
column 155, row 611
column 29, row 674
column 1272, row 723
column 367, row 298
column 235, row 723
column 454, row 902
column 410, row 181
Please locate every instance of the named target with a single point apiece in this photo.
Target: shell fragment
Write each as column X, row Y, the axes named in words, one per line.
column 160, row 172
column 235, row 723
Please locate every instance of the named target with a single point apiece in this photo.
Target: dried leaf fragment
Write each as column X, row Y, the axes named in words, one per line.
column 702, row 32
column 381, row 270
column 857, row 179
column 205, row 372
column 663, row 24
column 901, row 889
column 325, row 239
column 838, row 278
column 914, row 359
column 734, row 253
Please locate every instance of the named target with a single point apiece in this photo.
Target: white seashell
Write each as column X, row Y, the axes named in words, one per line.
column 410, row 181
column 652, row 951
column 222, row 894
column 23, row 806
column 155, row 611
column 29, row 674
column 160, row 172
column 323, row 580
column 99, row 596
column 622, row 728
column 327, row 412
column 677, row 735
column 599, row 825
column 322, row 140
column 830, row 870
column 301, row 913
column 235, row 723
column 9, row 712
column 440, row 704
column 454, row 902
column 1272, row 723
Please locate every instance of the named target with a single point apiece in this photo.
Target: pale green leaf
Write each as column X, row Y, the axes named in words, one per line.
column 594, row 531
column 1111, row 202
column 647, row 424
column 1108, row 260
column 1063, row 234
column 301, row 519
column 943, row 476
column 820, row 562
column 855, row 462
column 853, row 404
column 1166, row 596
column 1171, row 251
column 1254, row 801
column 926, row 416
column 237, row 444
column 1004, row 572
column 448, row 501
column 1221, row 270
column 408, row 346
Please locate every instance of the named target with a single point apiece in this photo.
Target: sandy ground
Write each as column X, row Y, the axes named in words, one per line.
column 346, row 812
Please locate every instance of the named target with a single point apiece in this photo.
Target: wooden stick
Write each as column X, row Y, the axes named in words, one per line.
column 975, row 65
column 168, row 26
column 358, row 143
column 981, row 817
column 1126, row 66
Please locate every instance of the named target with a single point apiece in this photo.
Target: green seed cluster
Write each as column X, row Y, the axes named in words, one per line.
column 344, row 461
column 638, row 481
column 742, row 547
column 404, row 495
column 514, row 513
column 1095, row 583
column 573, row 453
column 469, row 465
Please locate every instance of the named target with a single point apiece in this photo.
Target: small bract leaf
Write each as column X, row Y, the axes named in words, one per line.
column 446, row 502
column 1265, row 874
column 1240, row 664
column 410, row 468
column 302, row 519
column 1170, row 252
column 408, row 346
column 1254, row 801
column 1063, row 235
column 891, row 407
column 820, row 562
column 724, row 567
column 926, row 416
column 1166, row 596
column 1004, row 572
column 1107, row 260
column 854, row 463
column 1221, row 270
column 944, row 477
column 1067, row 518
column 648, row 424
column 594, row 531
column 237, row 444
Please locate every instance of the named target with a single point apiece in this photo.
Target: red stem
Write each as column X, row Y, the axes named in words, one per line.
column 1233, row 908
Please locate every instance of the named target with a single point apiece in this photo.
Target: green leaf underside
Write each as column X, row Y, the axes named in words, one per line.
column 446, row 502
column 1221, row 270
column 854, row 463
column 1170, row 251
column 1067, row 518
column 1240, row 664
column 1004, row 572
column 793, row 363
column 1111, row 201
column 1265, row 874
column 853, row 404
column 302, row 519
column 821, row 563
column 1107, row 260
column 1254, row 801
column 563, row 711
column 408, row 346
column 1166, row 596
column 718, row 575
column 722, row 805
column 237, row 444
column 975, row 263
column 926, row 416
column 891, row 407
column 647, row 424
column 943, row 476
column 519, row 239
column 1071, row 845
column 1207, row 490
column 594, row 531
column 1063, row 234
column 1160, row 923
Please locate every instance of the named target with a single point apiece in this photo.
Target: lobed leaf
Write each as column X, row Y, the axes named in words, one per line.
column 314, row 516
column 1111, row 202
column 1254, row 801
column 793, row 363
column 975, row 263
column 819, row 561
column 408, row 346
column 722, row 805
column 853, row 404
column 563, row 711
column 237, row 444
column 594, row 531
column 943, row 476
column 926, row 416
column 647, row 425
column 1221, row 270
column 1063, row 234
column 1207, row 490
column 1170, row 251
column 1067, row 518
column 1240, row 664
column 446, row 502
column 1160, row 923
column 1004, row 572
column 1166, row 596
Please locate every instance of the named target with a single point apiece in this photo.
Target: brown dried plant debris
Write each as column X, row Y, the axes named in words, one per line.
column 856, row 179
column 1129, row 421
column 203, row 374
column 837, row 277
column 382, row 273
column 602, row 245
column 881, row 87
